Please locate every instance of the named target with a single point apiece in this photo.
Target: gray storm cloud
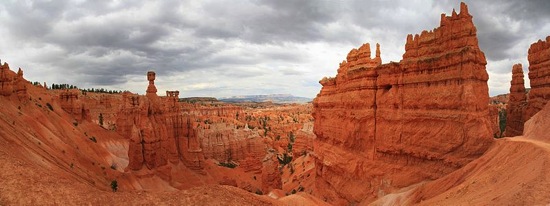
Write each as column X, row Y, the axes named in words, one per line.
column 224, row 48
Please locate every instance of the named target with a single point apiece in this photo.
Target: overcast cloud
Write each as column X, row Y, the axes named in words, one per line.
column 225, row 48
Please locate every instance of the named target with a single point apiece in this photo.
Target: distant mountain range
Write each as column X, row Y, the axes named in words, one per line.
column 275, row 98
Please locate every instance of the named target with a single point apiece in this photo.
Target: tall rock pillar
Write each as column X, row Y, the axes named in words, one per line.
column 516, row 104
column 539, row 73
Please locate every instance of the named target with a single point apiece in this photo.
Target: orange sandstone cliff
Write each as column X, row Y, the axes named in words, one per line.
column 539, row 72
column 516, row 103
column 381, row 127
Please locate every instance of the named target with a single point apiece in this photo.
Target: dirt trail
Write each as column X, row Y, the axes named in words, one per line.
column 537, row 143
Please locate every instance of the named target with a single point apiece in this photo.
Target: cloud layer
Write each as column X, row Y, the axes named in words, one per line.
column 225, row 48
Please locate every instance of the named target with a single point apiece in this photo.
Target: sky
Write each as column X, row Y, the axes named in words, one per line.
column 227, row 48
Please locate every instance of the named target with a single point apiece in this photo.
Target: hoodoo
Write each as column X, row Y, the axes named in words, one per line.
column 6, row 80
column 516, row 103
column 381, row 127
column 539, row 73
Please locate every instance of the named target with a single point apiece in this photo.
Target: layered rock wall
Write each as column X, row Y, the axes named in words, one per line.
column 381, row 127
column 539, row 76
column 517, row 101
column 6, row 80
column 224, row 143
column 69, row 100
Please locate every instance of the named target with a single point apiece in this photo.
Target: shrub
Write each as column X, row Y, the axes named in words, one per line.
column 93, row 139
column 285, row 159
column 289, row 147
column 49, row 106
column 100, row 119
column 227, row 164
column 114, row 185
column 502, row 121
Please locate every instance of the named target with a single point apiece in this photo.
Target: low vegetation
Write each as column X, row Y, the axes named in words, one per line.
column 227, row 164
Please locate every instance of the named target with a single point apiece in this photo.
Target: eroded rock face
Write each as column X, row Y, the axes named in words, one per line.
column 516, row 103
column 20, row 85
column 224, row 143
column 6, row 80
column 539, row 74
column 271, row 176
column 384, row 127
column 159, row 133
column 69, row 100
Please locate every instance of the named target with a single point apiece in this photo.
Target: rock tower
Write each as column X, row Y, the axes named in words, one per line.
column 381, row 127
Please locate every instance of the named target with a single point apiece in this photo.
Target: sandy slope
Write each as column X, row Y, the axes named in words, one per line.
column 514, row 171
column 22, row 183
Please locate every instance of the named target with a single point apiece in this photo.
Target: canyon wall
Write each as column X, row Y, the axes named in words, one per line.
column 69, row 100
column 539, row 75
column 517, row 101
column 381, row 127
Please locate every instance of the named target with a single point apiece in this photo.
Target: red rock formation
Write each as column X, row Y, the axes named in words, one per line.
column 271, row 176
column 158, row 130
column 164, row 132
column 10, row 83
column 142, row 121
column 70, row 102
column 168, row 143
column 304, row 140
column 6, row 80
column 20, row 85
column 539, row 73
column 151, row 89
column 516, row 103
column 380, row 128
column 224, row 143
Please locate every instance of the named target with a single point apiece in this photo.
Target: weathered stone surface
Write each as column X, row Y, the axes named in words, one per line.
column 6, row 80
column 271, row 176
column 516, row 103
column 20, row 86
column 69, row 100
column 539, row 76
column 224, row 143
column 384, row 127
column 156, row 132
